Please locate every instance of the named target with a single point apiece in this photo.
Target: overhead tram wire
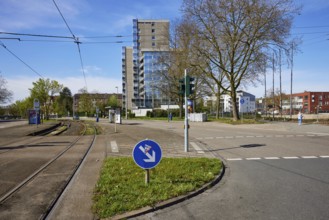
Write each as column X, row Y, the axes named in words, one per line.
column 76, row 40
column 4, row 46
column 36, row 35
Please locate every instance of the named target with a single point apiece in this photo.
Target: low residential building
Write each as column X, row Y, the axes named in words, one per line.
column 307, row 102
column 246, row 102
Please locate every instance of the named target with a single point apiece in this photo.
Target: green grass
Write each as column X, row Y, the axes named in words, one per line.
column 121, row 186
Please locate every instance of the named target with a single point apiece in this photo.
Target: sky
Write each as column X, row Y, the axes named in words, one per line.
column 97, row 23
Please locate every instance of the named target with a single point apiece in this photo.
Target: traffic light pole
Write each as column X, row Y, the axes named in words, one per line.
column 186, row 116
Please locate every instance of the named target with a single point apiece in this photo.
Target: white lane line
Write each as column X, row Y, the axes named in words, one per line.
column 319, row 134
column 219, row 137
column 250, row 136
column 197, row 148
column 114, row 147
column 325, row 156
column 290, row 157
column 260, row 136
column 289, row 135
column 308, row 157
column 300, row 135
column 199, row 138
column 253, row 158
column 229, row 137
column 209, row 138
column 279, row 135
column 234, row 159
column 272, row 158
column 238, row 136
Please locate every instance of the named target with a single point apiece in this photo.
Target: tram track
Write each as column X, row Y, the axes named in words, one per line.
column 36, row 195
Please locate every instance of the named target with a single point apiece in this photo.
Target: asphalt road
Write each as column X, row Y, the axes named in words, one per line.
column 274, row 171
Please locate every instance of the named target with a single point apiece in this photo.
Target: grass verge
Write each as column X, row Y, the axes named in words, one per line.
column 121, row 186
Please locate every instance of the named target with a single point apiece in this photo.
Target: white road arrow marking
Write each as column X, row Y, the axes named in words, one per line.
column 150, row 158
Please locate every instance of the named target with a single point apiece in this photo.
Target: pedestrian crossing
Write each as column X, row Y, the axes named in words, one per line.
column 277, row 158
column 265, row 136
column 115, row 148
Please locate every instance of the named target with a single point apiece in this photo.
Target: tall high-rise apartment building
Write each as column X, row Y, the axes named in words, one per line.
column 141, row 70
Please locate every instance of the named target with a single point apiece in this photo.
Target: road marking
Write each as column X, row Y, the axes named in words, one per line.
column 308, row 157
column 271, row 158
column 197, row 148
column 276, row 158
column 266, row 136
column 290, row 157
column 114, row 147
column 234, row 159
column 320, row 134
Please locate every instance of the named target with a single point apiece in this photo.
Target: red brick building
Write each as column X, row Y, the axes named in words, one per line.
column 309, row 102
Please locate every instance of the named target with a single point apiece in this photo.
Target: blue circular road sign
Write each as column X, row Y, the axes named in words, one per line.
column 241, row 101
column 147, row 154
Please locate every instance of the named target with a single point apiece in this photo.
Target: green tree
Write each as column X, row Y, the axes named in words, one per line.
column 113, row 101
column 85, row 101
column 65, row 102
column 44, row 90
column 234, row 36
column 20, row 107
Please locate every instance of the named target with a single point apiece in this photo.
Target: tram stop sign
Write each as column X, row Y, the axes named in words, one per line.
column 147, row 154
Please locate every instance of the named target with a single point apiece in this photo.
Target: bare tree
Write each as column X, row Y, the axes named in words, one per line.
column 234, row 35
column 5, row 94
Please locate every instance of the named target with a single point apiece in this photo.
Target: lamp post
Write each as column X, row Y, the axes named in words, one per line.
column 117, row 95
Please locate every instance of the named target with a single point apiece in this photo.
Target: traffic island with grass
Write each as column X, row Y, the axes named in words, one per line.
column 121, row 187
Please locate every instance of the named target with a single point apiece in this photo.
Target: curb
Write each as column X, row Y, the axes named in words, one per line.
column 173, row 201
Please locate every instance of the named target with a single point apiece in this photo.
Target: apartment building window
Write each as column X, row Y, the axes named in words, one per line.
column 153, row 37
column 153, row 30
column 153, row 44
column 306, row 97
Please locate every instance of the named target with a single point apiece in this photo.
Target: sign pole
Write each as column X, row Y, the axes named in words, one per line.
column 186, row 116
column 147, row 176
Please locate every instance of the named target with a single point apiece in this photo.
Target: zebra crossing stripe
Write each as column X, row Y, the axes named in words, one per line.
column 197, row 148
column 114, row 147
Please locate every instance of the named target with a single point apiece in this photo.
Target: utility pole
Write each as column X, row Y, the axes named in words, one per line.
column 280, row 82
column 273, row 68
column 186, row 116
column 291, row 76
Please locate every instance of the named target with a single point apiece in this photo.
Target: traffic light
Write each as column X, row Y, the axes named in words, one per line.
column 182, row 86
column 189, row 85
